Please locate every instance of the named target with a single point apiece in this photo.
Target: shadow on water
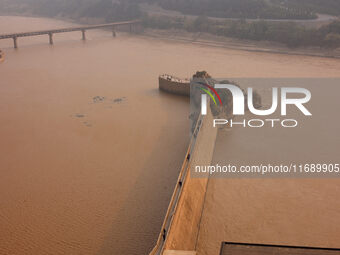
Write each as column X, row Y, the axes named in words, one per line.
column 137, row 225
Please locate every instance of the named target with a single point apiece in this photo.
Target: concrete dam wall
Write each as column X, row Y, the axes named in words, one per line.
column 181, row 225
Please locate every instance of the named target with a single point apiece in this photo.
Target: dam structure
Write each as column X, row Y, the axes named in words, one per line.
column 248, row 216
column 180, row 228
column 83, row 29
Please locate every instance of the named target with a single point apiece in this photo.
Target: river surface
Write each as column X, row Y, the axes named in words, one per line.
column 90, row 149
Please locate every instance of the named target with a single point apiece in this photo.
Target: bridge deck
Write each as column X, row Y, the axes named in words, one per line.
column 70, row 29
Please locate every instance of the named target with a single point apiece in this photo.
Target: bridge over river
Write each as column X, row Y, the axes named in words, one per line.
column 83, row 29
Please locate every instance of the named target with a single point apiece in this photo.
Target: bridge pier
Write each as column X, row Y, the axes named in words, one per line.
column 113, row 32
column 83, row 35
column 15, row 42
column 50, row 35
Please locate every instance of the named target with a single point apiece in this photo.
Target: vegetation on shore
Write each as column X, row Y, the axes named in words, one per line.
column 288, row 33
column 239, row 9
column 331, row 7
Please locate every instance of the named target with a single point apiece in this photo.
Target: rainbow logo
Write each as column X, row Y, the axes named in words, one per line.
column 206, row 90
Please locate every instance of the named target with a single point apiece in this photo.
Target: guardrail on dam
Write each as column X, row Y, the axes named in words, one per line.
column 69, row 29
column 181, row 224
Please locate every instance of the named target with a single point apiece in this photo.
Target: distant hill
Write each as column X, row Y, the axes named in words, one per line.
column 103, row 10
column 124, row 9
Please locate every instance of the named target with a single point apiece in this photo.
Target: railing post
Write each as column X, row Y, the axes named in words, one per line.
column 15, row 42
column 113, row 31
column 50, row 35
column 83, row 33
column 130, row 27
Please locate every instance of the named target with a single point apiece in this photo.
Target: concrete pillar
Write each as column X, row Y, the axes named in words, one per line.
column 113, row 32
column 83, row 33
column 15, row 42
column 50, row 35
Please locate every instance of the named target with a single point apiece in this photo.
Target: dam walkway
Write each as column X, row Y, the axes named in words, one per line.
column 83, row 29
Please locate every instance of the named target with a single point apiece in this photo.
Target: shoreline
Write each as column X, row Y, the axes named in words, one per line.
column 206, row 39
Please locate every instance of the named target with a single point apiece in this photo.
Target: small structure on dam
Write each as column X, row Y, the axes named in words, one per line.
column 179, row 86
column 172, row 84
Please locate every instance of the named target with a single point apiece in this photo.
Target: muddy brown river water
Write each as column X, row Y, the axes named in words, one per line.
column 89, row 148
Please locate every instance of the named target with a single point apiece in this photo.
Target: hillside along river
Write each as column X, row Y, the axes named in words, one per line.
column 90, row 149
